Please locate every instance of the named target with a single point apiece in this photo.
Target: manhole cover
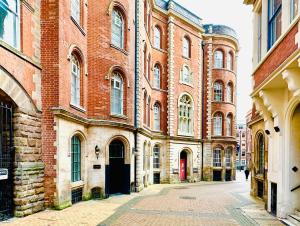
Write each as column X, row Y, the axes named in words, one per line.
column 187, row 197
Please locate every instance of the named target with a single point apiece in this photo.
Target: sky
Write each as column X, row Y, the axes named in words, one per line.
column 235, row 14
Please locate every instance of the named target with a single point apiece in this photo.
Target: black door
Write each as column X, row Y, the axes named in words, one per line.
column 228, row 175
column 274, row 198
column 217, row 175
column 6, row 161
column 117, row 172
column 260, row 189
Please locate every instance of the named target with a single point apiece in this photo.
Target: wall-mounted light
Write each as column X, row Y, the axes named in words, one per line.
column 267, row 132
column 97, row 151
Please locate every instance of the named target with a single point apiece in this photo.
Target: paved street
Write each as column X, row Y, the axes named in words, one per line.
column 185, row 204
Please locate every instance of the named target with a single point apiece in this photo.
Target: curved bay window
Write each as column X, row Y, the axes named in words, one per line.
column 185, row 115
column 116, row 94
column 117, row 35
column 156, row 116
column 218, row 91
column 156, row 81
column 218, row 59
column 217, row 158
column 156, row 157
column 75, row 159
column 75, row 81
column 218, row 124
column 261, row 154
column 10, row 22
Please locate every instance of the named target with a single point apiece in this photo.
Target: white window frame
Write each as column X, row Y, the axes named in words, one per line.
column 229, row 61
column 156, row 116
column 13, row 30
column 157, row 73
column 217, row 158
column 75, row 10
column 218, row 124
column 229, row 93
column 185, row 115
column 186, row 75
column 157, row 37
column 228, row 125
column 218, row 91
column 156, row 157
column 117, row 34
column 75, row 81
column 228, row 154
column 219, row 59
column 116, row 84
column 186, row 47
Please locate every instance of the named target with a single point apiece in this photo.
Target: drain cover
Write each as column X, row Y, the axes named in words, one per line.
column 187, row 197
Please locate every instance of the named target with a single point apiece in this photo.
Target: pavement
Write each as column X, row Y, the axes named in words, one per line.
column 197, row 204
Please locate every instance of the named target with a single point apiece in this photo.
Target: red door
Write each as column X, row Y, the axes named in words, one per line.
column 182, row 169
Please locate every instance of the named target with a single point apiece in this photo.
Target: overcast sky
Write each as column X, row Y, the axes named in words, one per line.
column 235, row 14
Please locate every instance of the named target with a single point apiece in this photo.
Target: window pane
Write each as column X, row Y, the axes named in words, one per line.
column 75, row 10
column 218, row 59
column 157, row 38
column 117, row 29
column 75, row 159
column 9, row 22
column 186, row 47
column 156, row 77
column 116, row 95
column 218, row 91
column 185, row 115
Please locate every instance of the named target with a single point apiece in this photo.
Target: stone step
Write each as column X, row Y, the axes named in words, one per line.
column 294, row 219
column 286, row 222
column 297, row 212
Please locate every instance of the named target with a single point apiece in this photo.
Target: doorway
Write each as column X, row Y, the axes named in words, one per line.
column 117, row 172
column 183, row 166
column 6, row 161
column 274, row 199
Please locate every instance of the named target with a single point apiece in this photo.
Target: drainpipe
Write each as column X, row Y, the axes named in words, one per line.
column 136, row 89
column 203, row 111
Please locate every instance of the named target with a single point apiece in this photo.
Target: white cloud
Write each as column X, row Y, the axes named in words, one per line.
column 235, row 14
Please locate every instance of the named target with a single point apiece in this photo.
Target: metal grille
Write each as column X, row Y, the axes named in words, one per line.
column 6, row 161
column 76, row 195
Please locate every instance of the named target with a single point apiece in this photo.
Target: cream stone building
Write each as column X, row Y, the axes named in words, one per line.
column 276, row 87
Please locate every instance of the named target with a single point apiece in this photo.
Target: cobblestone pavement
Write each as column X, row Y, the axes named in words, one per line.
column 198, row 204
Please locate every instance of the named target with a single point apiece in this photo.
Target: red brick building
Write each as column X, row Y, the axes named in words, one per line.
column 130, row 93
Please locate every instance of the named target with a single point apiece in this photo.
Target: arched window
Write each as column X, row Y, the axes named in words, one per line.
column 228, row 154
column 156, row 81
column 229, row 125
column 75, row 10
column 218, row 124
column 148, row 111
column 156, row 157
column 156, row 116
column 145, row 61
column 148, row 67
column 144, row 156
column 10, row 22
column 75, row 81
column 145, row 108
column 186, row 51
column 229, row 61
column 157, row 37
column 217, row 158
column 229, row 94
column 218, row 91
column 185, row 115
column 219, row 59
column 145, row 13
column 75, row 159
column 117, row 29
column 261, row 154
column 186, row 75
column 116, row 94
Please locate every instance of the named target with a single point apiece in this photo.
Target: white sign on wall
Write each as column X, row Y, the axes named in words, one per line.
column 3, row 174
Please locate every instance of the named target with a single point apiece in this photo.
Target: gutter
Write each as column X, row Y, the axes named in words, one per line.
column 136, row 81
column 203, row 111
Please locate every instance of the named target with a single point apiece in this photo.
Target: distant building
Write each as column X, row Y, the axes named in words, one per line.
column 248, row 139
column 241, row 160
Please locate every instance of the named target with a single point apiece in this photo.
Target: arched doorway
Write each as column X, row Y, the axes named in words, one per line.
column 117, row 172
column 295, row 158
column 183, row 165
column 6, row 158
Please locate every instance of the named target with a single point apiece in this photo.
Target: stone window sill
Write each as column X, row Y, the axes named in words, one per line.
column 78, row 26
column 187, row 84
column 119, row 116
column 78, row 108
column 187, row 58
column 119, row 49
column 77, row 184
